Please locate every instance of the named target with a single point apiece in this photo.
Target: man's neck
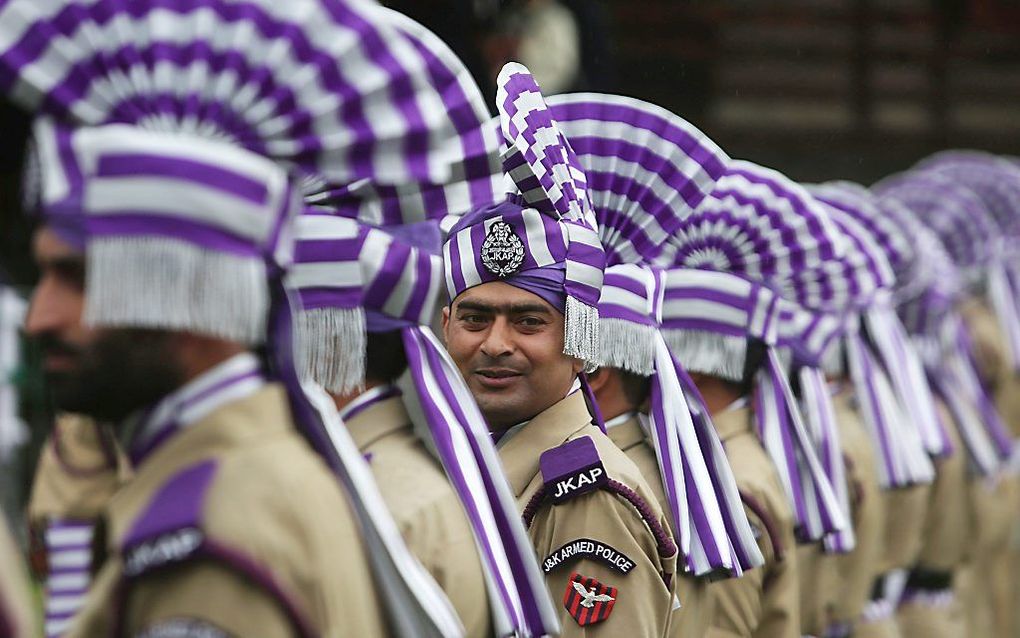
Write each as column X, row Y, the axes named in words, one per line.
column 343, row 400
column 718, row 393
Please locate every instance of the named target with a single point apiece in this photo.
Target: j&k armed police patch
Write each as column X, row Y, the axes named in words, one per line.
column 587, row 600
column 590, row 549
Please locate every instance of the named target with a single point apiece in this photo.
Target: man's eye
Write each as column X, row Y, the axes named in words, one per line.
column 530, row 322
column 474, row 319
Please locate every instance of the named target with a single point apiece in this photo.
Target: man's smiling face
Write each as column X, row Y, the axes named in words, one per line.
column 508, row 344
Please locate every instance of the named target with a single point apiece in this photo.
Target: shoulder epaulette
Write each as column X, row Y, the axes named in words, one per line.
column 170, row 528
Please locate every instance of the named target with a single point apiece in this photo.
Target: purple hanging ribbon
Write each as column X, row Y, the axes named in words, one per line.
column 816, row 509
column 466, row 450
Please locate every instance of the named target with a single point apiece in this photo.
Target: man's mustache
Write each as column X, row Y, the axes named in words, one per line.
column 51, row 344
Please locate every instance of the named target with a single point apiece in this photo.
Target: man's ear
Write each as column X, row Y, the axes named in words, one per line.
column 598, row 379
column 446, row 324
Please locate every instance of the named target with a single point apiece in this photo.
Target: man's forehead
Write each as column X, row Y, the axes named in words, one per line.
column 49, row 246
column 502, row 296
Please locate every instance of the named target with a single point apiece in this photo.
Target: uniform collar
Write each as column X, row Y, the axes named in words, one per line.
column 236, row 378
column 625, row 430
column 547, row 430
column 732, row 421
column 382, row 414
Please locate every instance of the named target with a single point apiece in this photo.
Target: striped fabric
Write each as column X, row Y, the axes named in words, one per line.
column 813, row 338
column 351, row 278
column 326, row 87
column 69, row 554
column 707, row 319
column 476, row 176
column 759, row 224
column 551, row 221
column 994, row 180
column 647, row 169
column 714, row 534
column 178, row 229
column 953, row 211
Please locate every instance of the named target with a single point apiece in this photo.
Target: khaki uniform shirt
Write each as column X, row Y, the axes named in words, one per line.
column 623, row 536
column 235, row 525
column 857, row 570
column 990, row 355
column 79, row 470
column 764, row 602
column 691, row 620
column 17, row 619
column 425, row 507
column 947, row 532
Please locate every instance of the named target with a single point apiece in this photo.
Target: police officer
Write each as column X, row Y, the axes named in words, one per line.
column 160, row 254
column 521, row 327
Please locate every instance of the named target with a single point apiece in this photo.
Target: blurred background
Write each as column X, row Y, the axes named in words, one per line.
column 815, row 88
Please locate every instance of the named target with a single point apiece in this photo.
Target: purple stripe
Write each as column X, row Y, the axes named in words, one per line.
column 328, row 250
column 339, row 297
column 136, row 164
column 392, row 391
column 152, row 224
column 177, row 505
column 706, row 325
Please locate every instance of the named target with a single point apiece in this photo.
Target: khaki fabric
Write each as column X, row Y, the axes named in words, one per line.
column 17, row 619
column 948, row 528
column 884, row 628
column 997, row 561
column 271, row 501
column 817, row 576
column 918, row 620
column 855, row 572
column 906, row 514
column 79, row 470
column 644, row 601
column 691, row 620
column 427, row 510
column 764, row 602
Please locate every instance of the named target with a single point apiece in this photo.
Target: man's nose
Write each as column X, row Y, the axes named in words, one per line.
column 499, row 339
column 45, row 313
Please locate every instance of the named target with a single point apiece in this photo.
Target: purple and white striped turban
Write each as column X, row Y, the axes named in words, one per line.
column 970, row 235
column 993, row 179
column 713, row 530
column 647, row 170
column 472, row 153
column 351, row 278
column 762, row 225
column 544, row 240
column 708, row 319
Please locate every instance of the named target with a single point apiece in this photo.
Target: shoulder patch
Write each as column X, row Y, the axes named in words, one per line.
column 590, row 549
column 182, row 628
column 572, row 469
column 587, row 600
column 170, row 529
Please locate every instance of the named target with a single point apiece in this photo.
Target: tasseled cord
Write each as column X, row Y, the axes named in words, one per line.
column 331, row 347
column 159, row 282
column 581, row 332
column 718, row 355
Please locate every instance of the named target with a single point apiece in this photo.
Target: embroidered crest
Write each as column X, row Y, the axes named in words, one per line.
column 586, row 548
column 502, row 251
column 587, row 600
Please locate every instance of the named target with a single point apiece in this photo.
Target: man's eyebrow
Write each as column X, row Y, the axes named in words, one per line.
column 64, row 263
column 503, row 309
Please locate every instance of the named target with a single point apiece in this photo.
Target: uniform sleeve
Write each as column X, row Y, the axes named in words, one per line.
column 206, row 600
column 442, row 540
column 764, row 601
column 617, row 564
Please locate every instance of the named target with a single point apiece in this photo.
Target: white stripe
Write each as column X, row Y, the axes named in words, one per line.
column 325, row 227
column 537, row 239
column 325, row 274
column 70, row 582
column 677, row 309
column 62, row 604
column 64, row 536
column 71, row 559
column 468, row 254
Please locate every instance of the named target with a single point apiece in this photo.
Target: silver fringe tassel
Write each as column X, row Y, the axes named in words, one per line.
column 581, row 333
column 709, row 353
column 627, row 345
column 156, row 282
column 330, row 347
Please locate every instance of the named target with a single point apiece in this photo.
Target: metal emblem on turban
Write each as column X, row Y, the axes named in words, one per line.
column 502, row 251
